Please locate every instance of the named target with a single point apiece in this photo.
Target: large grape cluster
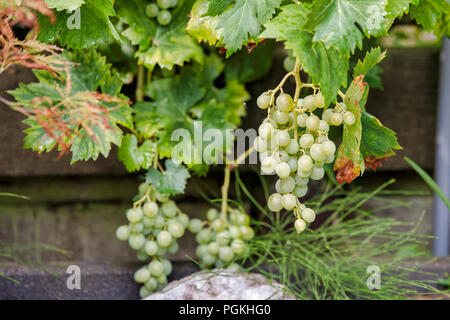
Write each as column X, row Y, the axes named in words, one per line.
column 160, row 10
column 221, row 240
column 296, row 160
column 154, row 225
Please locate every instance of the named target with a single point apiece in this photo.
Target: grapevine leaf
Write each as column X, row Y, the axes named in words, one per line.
column 216, row 7
column 246, row 67
column 349, row 162
column 165, row 46
column 68, row 111
column 89, row 26
column 64, row 4
column 432, row 15
column 327, row 67
column 136, row 157
column 396, row 8
column 204, row 28
column 341, row 24
column 372, row 58
column 378, row 142
column 170, row 182
column 36, row 138
column 186, row 107
column 242, row 21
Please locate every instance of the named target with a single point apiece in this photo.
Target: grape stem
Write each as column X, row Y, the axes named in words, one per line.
column 225, row 187
column 341, row 94
column 140, row 84
column 5, row 101
column 241, row 158
column 298, row 85
column 146, row 196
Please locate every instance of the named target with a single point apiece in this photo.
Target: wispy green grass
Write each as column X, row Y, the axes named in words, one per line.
column 430, row 181
column 331, row 261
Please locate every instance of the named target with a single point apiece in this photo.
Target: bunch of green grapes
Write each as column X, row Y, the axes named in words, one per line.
column 221, row 240
column 160, row 11
column 296, row 160
column 154, row 225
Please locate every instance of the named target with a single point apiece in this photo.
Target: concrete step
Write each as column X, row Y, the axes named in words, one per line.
column 98, row 281
column 115, row 281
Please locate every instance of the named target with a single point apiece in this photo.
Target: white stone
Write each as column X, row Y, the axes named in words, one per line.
column 220, row 284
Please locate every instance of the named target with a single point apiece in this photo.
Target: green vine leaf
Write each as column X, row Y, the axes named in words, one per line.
column 204, row 28
column 136, row 157
column 327, row 67
column 247, row 66
column 170, row 182
column 67, row 110
column 164, row 46
column 342, row 24
column 88, row 27
column 378, row 142
column 216, row 7
column 372, row 58
column 432, row 15
column 191, row 103
column 243, row 20
column 64, row 4
column 396, row 8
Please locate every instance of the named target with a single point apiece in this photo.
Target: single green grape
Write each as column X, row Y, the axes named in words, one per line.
column 150, row 209
column 176, row 229
column 123, row 233
column 213, row 248
column 151, row 248
column 164, row 239
column 195, row 225
column 164, row 4
column 156, row 268
column 247, row 232
column 167, row 266
column 169, row 209
column 142, row 275
column 144, row 292
column 151, row 284
column 164, row 17
column 212, row 214
column 173, row 248
column 226, row 254
column 136, row 241
column 135, row 214
column 151, row 10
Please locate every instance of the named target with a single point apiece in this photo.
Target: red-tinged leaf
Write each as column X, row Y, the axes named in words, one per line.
column 349, row 163
column 347, row 172
column 28, row 53
column 372, row 162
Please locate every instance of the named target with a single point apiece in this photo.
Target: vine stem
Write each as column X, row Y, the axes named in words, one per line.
column 225, row 187
column 278, row 88
column 298, row 85
column 241, row 158
column 140, row 84
column 5, row 101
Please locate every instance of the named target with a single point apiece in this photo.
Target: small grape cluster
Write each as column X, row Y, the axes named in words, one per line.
column 293, row 143
column 221, row 240
column 155, row 224
column 160, row 11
